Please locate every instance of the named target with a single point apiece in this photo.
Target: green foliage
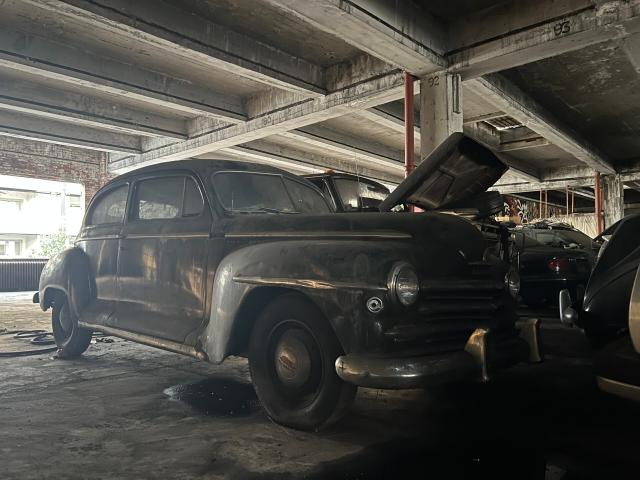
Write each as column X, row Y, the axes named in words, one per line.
column 51, row 245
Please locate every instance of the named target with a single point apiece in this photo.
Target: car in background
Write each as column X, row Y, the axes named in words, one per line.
column 552, row 257
column 609, row 312
column 211, row 258
column 350, row 193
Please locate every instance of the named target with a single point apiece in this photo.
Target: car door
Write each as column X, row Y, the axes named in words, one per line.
column 99, row 238
column 162, row 263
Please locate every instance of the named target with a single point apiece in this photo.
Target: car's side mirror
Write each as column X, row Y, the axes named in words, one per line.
column 568, row 315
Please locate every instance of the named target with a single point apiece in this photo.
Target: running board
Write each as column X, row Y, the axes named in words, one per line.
column 147, row 340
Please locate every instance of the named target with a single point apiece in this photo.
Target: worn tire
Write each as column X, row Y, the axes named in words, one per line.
column 72, row 340
column 292, row 354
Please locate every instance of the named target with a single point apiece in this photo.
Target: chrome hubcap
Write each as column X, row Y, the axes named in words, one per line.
column 293, row 359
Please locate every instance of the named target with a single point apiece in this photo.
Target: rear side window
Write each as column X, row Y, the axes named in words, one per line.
column 304, row 198
column 166, row 198
column 109, row 207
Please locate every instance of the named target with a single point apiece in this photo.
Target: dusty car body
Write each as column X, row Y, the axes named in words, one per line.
column 215, row 258
column 552, row 257
column 610, row 310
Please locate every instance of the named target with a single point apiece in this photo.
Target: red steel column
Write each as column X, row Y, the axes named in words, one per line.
column 598, row 203
column 409, row 163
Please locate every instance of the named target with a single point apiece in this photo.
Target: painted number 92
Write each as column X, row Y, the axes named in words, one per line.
column 434, row 81
column 562, row 28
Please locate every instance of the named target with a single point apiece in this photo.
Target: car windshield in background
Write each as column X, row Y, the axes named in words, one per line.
column 559, row 238
column 360, row 195
column 248, row 192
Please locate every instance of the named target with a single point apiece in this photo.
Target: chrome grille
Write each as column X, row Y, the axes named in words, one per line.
column 450, row 309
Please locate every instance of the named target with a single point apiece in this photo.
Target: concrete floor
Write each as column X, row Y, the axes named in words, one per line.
column 129, row 411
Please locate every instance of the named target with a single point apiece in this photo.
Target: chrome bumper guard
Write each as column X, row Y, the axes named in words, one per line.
column 476, row 361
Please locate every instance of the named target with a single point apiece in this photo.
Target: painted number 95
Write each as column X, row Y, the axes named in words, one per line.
column 562, row 28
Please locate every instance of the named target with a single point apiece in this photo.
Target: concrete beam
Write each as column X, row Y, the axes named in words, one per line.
column 282, row 156
column 179, row 32
column 399, row 33
column 363, row 95
column 80, row 68
column 33, row 128
column 482, row 118
column 361, row 150
column 537, row 186
column 515, row 103
column 532, row 38
column 531, row 142
column 36, row 99
column 391, row 117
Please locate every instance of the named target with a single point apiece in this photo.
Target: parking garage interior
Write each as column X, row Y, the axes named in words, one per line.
column 94, row 89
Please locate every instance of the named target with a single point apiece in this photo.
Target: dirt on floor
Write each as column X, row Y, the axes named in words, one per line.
column 17, row 312
column 124, row 410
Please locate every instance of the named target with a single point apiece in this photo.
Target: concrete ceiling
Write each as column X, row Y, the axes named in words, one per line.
column 552, row 87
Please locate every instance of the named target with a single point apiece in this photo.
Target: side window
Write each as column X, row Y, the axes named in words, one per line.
column 306, row 199
column 193, row 201
column 166, row 198
column 327, row 193
column 110, row 207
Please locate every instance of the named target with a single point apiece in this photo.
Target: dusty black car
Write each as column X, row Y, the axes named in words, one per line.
column 552, row 257
column 609, row 312
column 215, row 258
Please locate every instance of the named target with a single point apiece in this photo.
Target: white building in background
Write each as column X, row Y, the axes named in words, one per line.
column 32, row 210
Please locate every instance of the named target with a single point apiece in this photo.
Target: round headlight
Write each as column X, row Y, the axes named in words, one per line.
column 404, row 284
column 512, row 282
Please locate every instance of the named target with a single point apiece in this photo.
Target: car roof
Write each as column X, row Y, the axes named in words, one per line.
column 350, row 176
column 203, row 167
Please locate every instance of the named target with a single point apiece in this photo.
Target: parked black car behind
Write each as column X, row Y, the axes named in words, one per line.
column 553, row 257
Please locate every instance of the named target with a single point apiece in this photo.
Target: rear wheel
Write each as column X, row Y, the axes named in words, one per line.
column 71, row 339
column 292, row 354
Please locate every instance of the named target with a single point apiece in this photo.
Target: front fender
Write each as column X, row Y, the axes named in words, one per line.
column 338, row 276
column 70, row 273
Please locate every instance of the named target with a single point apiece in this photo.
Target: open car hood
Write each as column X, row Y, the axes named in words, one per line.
column 458, row 170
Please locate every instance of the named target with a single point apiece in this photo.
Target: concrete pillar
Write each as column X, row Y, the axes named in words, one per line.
column 613, row 199
column 440, row 110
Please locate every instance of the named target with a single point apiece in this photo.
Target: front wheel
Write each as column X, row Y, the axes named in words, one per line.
column 292, row 354
column 71, row 339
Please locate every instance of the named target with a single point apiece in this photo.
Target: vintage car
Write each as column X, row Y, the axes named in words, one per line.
column 609, row 312
column 553, row 257
column 212, row 258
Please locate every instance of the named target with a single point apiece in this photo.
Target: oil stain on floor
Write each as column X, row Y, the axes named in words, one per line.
column 217, row 397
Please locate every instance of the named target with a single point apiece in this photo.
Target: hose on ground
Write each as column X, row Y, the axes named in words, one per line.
column 35, row 337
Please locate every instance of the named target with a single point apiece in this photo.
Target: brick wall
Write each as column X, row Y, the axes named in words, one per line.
column 47, row 161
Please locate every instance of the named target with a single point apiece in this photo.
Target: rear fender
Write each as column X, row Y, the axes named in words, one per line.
column 68, row 272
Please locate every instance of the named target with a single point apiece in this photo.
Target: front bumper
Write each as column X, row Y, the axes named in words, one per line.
column 479, row 359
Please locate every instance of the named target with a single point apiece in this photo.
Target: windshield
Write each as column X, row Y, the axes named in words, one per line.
column 559, row 238
column 248, row 192
column 357, row 195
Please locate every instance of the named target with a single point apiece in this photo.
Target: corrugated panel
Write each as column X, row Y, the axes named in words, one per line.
column 20, row 274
